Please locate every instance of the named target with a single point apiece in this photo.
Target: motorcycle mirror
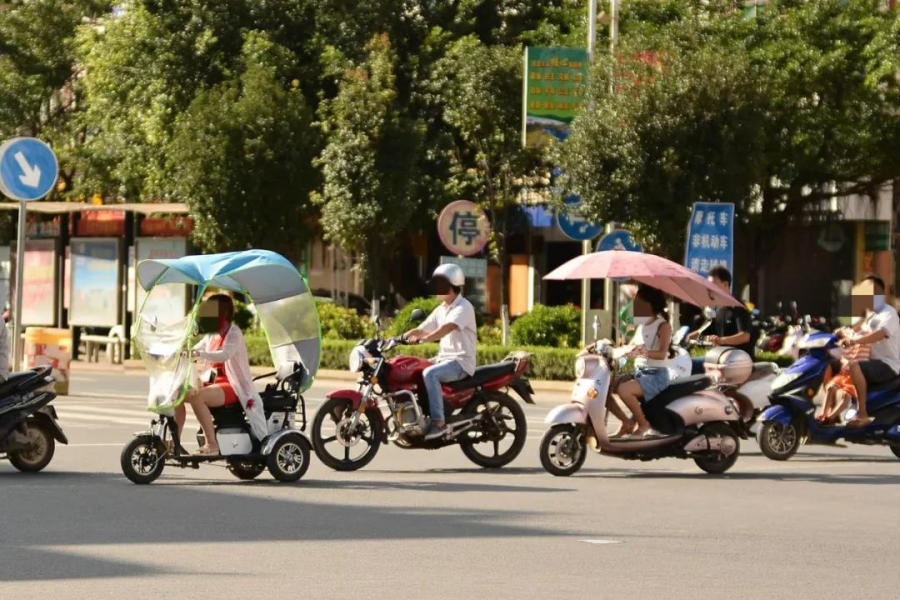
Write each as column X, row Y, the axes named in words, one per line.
column 709, row 312
column 417, row 316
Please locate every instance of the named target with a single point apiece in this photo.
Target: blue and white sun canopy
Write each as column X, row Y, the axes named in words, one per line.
column 284, row 304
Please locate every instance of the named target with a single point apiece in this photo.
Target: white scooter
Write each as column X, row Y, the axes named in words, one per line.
column 696, row 421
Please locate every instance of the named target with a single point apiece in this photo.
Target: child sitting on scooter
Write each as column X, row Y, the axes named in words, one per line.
column 841, row 386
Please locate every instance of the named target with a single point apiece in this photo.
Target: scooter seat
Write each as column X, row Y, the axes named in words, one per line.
column 890, row 386
column 9, row 387
column 762, row 369
column 681, row 388
column 483, row 375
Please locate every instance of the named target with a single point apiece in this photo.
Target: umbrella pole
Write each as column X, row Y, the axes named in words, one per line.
column 585, row 298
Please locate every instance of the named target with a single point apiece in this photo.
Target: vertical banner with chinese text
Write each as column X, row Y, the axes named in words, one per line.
column 554, row 85
column 710, row 237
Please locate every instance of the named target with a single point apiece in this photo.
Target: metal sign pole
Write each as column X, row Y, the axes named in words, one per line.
column 20, row 277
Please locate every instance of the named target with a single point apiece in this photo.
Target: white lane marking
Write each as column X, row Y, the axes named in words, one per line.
column 95, row 410
column 110, row 395
column 103, row 420
column 600, row 542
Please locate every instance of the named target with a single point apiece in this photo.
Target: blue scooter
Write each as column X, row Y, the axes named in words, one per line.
column 790, row 421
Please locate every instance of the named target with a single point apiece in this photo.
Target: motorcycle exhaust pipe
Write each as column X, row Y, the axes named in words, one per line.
column 704, row 443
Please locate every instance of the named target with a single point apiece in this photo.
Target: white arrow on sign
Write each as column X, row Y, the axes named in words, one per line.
column 32, row 176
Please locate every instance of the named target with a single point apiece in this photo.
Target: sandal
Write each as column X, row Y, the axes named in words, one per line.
column 207, row 451
column 624, row 430
column 860, row 422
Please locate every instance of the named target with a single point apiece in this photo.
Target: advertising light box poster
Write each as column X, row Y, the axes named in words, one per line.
column 168, row 302
column 94, row 297
column 39, row 285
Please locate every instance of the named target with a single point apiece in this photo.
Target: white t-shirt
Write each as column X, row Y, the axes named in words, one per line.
column 888, row 349
column 648, row 336
column 458, row 345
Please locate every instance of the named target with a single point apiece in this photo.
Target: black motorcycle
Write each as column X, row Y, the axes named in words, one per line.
column 28, row 424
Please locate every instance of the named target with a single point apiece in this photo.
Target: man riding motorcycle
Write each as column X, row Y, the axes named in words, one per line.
column 453, row 323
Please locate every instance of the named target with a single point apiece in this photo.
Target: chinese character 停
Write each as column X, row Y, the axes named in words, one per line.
column 464, row 225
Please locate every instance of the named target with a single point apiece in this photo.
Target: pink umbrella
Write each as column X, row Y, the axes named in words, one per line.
column 655, row 271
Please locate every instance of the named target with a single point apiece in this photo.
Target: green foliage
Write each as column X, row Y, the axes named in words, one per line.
column 546, row 363
column 776, row 114
column 248, row 141
column 490, row 335
column 339, row 323
column 553, row 326
column 243, row 317
column 367, row 197
column 402, row 322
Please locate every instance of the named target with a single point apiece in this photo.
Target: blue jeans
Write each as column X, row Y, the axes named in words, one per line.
column 443, row 372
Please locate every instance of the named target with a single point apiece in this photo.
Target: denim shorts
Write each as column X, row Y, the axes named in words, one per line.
column 652, row 380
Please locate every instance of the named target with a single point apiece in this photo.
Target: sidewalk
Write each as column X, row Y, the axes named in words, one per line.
column 557, row 389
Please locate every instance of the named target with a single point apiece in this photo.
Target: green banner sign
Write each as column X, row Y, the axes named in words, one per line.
column 878, row 236
column 554, row 87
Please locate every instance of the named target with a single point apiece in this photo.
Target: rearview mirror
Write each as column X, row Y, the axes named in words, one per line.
column 417, row 316
column 709, row 312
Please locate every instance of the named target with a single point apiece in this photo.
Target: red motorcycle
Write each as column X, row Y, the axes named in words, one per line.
column 482, row 418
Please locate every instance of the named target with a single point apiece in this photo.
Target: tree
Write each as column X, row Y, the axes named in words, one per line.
column 40, row 91
column 369, row 161
column 481, row 93
column 241, row 156
column 776, row 114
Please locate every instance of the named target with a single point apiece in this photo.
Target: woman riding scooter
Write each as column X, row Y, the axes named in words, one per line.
column 651, row 351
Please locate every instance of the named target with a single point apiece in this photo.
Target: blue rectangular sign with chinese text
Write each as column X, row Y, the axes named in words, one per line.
column 710, row 237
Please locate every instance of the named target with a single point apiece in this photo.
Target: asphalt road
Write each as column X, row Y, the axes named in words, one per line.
column 431, row 525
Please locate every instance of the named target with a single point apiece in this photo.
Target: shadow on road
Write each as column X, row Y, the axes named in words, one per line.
column 78, row 509
column 838, row 478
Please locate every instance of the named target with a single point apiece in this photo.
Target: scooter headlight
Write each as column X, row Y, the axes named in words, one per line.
column 784, row 379
column 585, row 366
column 580, row 366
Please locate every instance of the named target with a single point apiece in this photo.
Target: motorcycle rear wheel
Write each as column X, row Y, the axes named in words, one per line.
column 562, row 452
column 334, row 412
column 494, row 429
column 718, row 463
column 43, row 447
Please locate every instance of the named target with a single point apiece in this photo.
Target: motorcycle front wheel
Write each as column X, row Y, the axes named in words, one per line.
column 777, row 441
column 501, row 420
column 563, row 450
column 339, row 444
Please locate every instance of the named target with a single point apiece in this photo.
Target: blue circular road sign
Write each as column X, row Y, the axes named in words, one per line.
column 618, row 239
column 28, row 169
column 573, row 226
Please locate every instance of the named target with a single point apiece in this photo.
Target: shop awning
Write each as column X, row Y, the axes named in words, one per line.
column 58, row 208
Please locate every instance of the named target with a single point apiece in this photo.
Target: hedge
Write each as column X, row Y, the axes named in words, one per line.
column 554, row 364
column 546, row 363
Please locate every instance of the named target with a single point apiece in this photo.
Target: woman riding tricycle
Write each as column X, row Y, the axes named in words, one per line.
column 248, row 429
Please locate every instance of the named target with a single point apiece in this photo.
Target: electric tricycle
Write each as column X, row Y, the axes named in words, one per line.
column 251, row 436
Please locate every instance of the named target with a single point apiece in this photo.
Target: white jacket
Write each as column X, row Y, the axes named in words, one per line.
column 237, row 368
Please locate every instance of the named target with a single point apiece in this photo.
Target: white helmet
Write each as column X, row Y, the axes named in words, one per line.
column 452, row 273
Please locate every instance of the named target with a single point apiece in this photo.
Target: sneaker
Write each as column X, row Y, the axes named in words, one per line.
column 436, row 431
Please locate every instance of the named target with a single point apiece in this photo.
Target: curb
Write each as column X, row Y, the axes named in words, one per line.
column 134, row 367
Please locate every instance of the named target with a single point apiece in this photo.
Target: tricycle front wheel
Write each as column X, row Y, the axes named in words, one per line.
column 143, row 459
